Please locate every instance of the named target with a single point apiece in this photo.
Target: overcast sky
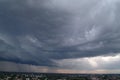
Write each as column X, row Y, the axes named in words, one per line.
column 72, row 36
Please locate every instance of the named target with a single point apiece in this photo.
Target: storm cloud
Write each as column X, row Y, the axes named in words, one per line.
column 39, row 32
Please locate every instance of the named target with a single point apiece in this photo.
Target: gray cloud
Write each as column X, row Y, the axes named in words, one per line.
column 39, row 32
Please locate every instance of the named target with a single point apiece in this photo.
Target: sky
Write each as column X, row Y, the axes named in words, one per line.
column 60, row 36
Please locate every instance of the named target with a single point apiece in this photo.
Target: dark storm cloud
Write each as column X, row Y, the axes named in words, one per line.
column 38, row 32
column 27, row 29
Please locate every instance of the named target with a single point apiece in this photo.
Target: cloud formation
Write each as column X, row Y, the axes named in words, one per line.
column 40, row 32
column 99, row 64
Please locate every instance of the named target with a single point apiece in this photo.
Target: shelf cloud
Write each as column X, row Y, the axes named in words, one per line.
column 41, row 32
